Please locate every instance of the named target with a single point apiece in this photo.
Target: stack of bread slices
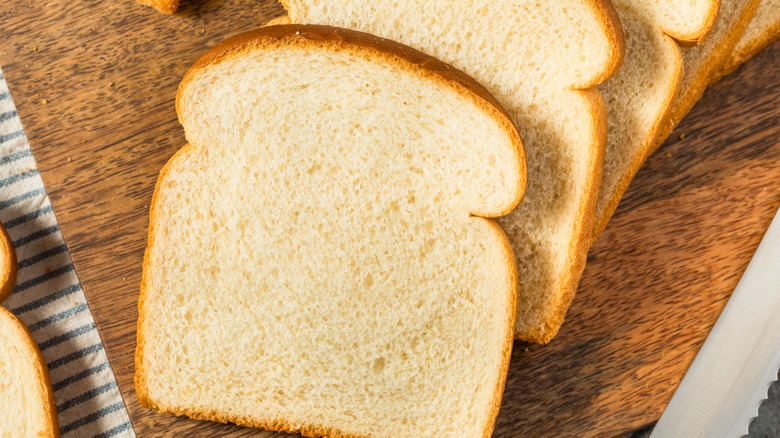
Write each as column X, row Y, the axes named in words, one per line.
column 355, row 232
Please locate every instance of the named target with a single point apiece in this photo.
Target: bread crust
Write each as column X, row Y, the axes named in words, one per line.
column 568, row 280
column 688, row 97
column 696, row 38
column 8, row 270
column 749, row 50
column 398, row 54
column 164, row 6
column 140, row 379
column 676, row 106
column 613, row 29
column 511, row 316
column 284, row 19
column 44, row 389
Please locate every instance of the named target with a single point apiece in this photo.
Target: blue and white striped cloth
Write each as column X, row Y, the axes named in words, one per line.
column 48, row 297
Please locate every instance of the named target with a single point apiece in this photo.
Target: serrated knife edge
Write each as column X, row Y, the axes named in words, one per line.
column 724, row 386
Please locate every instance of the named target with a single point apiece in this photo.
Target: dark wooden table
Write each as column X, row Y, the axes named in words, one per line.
column 95, row 81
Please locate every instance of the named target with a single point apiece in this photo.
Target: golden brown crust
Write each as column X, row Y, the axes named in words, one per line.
column 587, row 212
column 277, row 425
column 41, row 371
column 568, row 281
column 676, row 108
column 611, row 27
column 398, row 54
column 510, row 333
column 141, row 387
column 696, row 38
column 164, row 6
column 688, row 97
column 288, row 6
column 749, row 50
column 8, row 271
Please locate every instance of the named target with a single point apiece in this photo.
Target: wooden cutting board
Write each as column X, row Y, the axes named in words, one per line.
column 94, row 82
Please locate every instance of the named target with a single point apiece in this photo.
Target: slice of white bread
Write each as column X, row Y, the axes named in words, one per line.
column 640, row 95
column 703, row 61
column 318, row 258
column 762, row 30
column 26, row 400
column 540, row 60
column 164, row 6
column 7, row 265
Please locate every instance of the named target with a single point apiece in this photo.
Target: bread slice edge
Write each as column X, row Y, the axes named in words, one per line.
column 748, row 51
column 8, row 270
column 687, row 98
column 647, row 147
column 577, row 252
column 696, row 38
column 43, row 381
column 456, row 79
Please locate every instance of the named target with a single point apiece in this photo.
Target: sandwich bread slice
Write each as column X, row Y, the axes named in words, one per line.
column 762, row 30
column 639, row 96
column 27, row 406
column 703, row 61
column 7, row 265
column 26, row 396
column 319, row 259
column 542, row 61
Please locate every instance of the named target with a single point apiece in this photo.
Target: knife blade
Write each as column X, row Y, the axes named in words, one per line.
column 730, row 376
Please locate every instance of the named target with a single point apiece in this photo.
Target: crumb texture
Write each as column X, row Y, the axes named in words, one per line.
column 639, row 96
column 313, row 264
column 532, row 56
column 25, row 393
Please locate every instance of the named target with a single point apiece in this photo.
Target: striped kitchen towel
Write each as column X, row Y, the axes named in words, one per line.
column 48, row 297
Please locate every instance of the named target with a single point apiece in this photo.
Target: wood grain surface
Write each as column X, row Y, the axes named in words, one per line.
column 95, row 81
